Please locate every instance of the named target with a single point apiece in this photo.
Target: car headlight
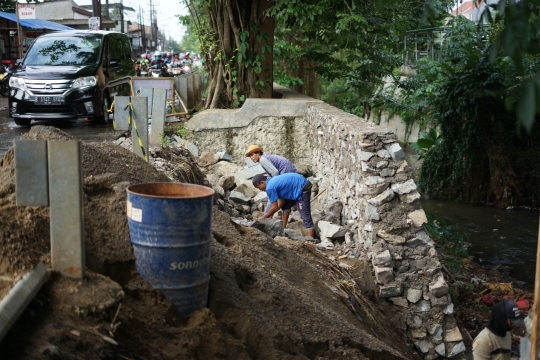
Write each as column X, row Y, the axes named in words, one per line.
column 84, row 81
column 17, row 83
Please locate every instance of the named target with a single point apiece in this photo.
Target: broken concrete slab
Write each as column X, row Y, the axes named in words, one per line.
column 330, row 231
column 399, row 301
column 382, row 198
column 405, row 187
column 440, row 287
column 421, row 239
column 239, row 198
column 410, row 197
column 371, row 213
column 227, row 182
column 387, row 172
column 390, row 290
column 224, row 156
column 383, row 259
column 418, row 217
column 207, row 158
column 413, row 295
column 261, row 197
column 383, row 275
column 226, row 169
column 396, row 152
column 248, row 173
column 271, row 227
column 392, row 239
column 452, row 335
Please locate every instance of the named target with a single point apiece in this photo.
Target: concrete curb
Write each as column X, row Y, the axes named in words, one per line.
column 13, row 304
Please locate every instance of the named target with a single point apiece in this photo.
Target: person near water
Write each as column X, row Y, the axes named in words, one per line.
column 284, row 191
column 495, row 341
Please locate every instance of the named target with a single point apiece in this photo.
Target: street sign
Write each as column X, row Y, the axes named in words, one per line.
column 93, row 23
column 27, row 12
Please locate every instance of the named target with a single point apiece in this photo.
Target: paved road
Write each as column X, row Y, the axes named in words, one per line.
column 80, row 129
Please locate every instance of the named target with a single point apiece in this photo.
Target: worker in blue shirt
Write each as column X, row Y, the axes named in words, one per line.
column 284, row 191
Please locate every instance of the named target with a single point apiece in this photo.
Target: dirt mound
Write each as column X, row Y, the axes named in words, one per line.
column 269, row 299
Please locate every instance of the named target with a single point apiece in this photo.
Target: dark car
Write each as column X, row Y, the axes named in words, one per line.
column 71, row 74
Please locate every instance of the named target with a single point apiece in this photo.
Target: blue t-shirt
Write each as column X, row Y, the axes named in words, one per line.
column 287, row 186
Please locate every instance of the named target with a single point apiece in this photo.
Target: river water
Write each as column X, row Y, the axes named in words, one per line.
column 498, row 237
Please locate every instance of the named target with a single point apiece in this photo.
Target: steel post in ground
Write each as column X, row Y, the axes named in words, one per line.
column 139, row 126
column 31, row 179
column 159, row 107
column 190, row 92
column 121, row 112
column 66, row 208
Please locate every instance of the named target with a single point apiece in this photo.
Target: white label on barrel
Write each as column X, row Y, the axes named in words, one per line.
column 136, row 214
column 128, row 211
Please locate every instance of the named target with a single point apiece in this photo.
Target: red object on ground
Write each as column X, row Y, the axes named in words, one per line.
column 508, row 297
column 489, row 299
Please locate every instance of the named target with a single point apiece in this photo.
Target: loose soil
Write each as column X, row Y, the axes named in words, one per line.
column 269, row 298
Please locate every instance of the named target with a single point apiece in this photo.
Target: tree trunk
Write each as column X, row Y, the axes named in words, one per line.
column 231, row 47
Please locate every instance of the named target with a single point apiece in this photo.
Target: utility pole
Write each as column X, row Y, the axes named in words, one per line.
column 143, row 32
column 121, row 16
column 151, row 25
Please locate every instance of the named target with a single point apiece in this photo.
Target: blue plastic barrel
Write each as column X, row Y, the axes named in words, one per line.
column 170, row 229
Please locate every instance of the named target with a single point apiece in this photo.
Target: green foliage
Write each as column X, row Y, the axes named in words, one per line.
column 354, row 42
column 342, row 94
column 450, row 239
column 181, row 131
column 426, row 141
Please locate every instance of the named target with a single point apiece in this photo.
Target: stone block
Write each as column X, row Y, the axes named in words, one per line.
column 227, row 182
column 364, row 155
column 403, row 168
column 271, row 227
column 390, row 290
column 440, row 287
column 452, row 335
column 192, row 148
column 411, row 197
column 423, row 346
column 366, row 168
column 392, row 239
column 333, row 212
column 298, row 227
column 207, row 158
column 439, row 301
column 453, row 349
column 371, row 213
column 433, row 328
column 225, row 156
column 374, row 180
column 326, row 244
column 239, row 198
column 382, row 198
column 396, row 152
column 260, row 198
column 404, row 187
column 418, row 217
column 413, row 321
column 248, row 173
column 387, row 172
column 330, row 231
column 421, row 239
column 383, row 275
column 449, row 309
column 383, row 259
column 422, row 306
column 247, row 188
column 399, row 301
column 227, row 168
column 381, row 164
column 413, row 295
column 384, row 154
column 212, row 179
column 440, row 349
column 418, row 334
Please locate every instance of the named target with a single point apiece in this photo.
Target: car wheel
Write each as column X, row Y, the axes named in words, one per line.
column 23, row 122
column 106, row 118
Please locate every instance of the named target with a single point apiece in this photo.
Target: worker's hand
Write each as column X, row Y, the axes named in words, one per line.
column 261, row 218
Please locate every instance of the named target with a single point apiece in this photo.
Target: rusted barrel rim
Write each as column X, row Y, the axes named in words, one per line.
column 170, row 190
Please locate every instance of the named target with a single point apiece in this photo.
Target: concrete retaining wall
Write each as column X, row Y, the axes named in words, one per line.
column 360, row 164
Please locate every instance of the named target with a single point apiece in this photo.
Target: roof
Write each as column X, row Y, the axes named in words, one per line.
column 81, row 11
column 467, row 7
column 34, row 23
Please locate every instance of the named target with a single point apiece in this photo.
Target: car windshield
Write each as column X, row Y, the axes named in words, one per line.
column 74, row 50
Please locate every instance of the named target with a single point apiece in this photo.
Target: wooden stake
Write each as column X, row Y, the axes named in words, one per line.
column 535, row 336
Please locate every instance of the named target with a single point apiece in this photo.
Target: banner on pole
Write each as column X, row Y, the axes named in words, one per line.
column 27, row 11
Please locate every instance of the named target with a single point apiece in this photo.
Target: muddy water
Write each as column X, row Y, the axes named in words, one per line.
column 499, row 237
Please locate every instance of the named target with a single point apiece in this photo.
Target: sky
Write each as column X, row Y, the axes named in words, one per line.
column 165, row 13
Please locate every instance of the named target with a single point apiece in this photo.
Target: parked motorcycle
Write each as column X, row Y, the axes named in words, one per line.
column 5, row 75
